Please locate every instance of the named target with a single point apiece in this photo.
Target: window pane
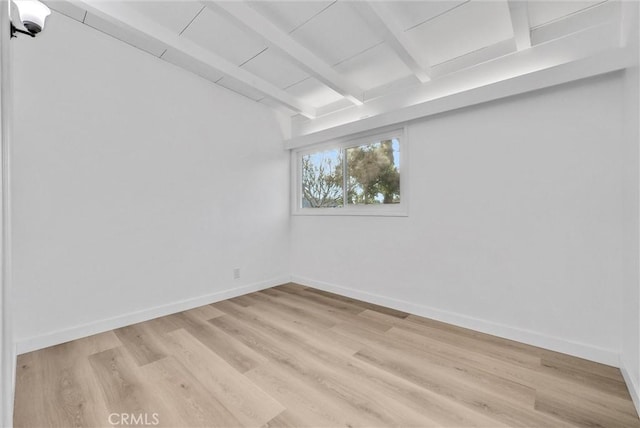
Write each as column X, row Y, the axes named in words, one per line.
column 373, row 173
column 322, row 179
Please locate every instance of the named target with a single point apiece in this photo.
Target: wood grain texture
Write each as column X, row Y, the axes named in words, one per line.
column 140, row 343
column 292, row 356
column 67, row 389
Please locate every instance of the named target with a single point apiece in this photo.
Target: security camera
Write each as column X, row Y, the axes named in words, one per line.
column 28, row 17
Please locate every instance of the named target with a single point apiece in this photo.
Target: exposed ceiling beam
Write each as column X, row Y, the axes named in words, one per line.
column 520, row 23
column 383, row 21
column 629, row 15
column 488, row 53
column 593, row 16
column 582, row 52
column 605, row 62
column 130, row 20
column 249, row 19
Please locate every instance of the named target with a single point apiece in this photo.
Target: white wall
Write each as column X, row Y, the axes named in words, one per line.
column 136, row 185
column 517, row 223
column 630, row 332
column 630, row 352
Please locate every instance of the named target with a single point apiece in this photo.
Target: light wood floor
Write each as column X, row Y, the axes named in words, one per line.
column 293, row 356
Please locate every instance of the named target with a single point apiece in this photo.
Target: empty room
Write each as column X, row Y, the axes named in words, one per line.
column 321, row 214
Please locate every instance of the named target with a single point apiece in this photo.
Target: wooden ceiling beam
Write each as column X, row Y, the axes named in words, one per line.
column 381, row 20
column 520, row 23
column 130, row 20
column 250, row 20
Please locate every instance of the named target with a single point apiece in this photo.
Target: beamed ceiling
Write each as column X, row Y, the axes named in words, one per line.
column 326, row 63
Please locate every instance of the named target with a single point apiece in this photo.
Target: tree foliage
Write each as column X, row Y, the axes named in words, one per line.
column 372, row 177
column 321, row 185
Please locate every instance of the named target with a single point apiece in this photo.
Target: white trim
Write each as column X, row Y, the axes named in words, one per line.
column 76, row 332
column 389, row 210
column 7, row 345
column 353, row 139
column 365, row 211
column 582, row 350
column 632, row 386
column 340, row 124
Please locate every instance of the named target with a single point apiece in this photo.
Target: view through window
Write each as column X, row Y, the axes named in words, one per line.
column 366, row 174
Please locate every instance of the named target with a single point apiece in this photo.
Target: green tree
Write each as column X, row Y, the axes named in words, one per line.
column 372, row 174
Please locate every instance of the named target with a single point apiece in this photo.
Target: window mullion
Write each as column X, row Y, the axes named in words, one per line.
column 344, row 178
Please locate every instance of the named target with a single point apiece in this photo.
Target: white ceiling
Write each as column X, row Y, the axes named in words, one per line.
column 313, row 58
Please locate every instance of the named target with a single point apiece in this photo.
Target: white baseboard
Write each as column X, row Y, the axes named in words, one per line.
column 61, row 336
column 581, row 350
column 632, row 386
column 589, row 352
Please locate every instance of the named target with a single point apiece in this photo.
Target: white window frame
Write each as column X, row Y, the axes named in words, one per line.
column 386, row 210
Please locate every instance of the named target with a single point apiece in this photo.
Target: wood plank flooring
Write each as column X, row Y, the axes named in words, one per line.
column 292, row 356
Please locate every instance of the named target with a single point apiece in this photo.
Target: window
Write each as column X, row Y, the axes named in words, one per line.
column 357, row 177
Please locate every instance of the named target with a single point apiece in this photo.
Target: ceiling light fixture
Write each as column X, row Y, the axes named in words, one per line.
column 28, row 17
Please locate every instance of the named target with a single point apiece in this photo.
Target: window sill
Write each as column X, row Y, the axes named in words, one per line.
column 351, row 212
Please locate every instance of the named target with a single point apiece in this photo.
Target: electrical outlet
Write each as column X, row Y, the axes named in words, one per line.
column 236, row 273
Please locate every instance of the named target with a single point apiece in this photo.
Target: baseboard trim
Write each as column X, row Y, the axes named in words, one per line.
column 581, row 350
column 632, row 386
column 65, row 335
column 589, row 352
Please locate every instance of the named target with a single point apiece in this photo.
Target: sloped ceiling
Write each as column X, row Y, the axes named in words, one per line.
column 316, row 59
